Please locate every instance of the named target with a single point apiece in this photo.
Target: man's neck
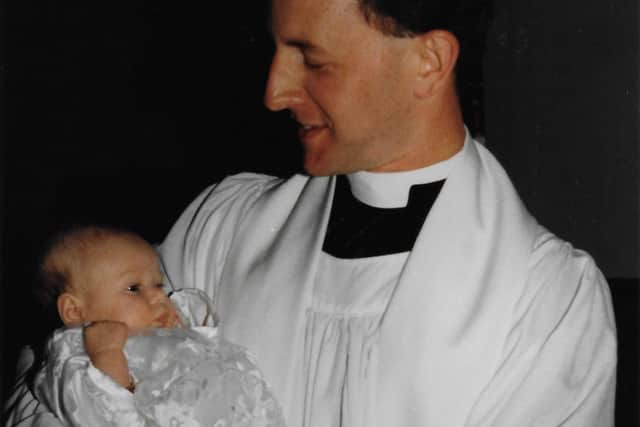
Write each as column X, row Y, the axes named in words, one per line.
column 439, row 133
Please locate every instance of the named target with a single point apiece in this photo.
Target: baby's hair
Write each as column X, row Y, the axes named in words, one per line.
column 61, row 257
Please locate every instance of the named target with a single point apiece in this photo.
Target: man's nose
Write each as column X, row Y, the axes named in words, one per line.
column 284, row 88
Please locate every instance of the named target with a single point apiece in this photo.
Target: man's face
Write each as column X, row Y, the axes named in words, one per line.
column 122, row 282
column 347, row 85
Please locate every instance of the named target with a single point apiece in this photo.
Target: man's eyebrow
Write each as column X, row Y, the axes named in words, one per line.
column 297, row 43
column 302, row 45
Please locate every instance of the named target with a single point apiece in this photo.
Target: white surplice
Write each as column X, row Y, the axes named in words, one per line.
column 492, row 321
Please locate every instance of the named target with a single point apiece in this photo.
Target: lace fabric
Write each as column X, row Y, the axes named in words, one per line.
column 188, row 376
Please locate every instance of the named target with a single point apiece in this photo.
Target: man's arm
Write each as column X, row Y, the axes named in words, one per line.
column 559, row 365
column 195, row 249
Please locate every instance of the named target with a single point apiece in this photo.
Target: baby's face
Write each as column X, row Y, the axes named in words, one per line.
column 123, row 282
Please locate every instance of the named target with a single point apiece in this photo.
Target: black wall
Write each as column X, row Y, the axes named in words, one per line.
column 563, row 115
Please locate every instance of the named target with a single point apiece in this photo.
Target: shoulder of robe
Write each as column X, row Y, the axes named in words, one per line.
column 246, row 187
column 220, row 209
column 243, row 184
column 562, row 278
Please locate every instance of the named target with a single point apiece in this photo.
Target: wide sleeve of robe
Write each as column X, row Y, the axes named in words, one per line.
column 194, row 251
column 559, row 358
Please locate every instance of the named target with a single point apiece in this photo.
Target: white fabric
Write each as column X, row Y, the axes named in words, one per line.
column 349, row 298
column 391, row 189
column 494, row 321
column 184, row 376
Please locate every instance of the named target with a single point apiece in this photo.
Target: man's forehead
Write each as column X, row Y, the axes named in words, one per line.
column 297, row 20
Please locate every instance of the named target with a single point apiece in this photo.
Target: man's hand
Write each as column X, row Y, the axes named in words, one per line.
column 104, row 343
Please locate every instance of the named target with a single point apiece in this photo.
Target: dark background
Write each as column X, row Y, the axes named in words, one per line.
column 121, row 112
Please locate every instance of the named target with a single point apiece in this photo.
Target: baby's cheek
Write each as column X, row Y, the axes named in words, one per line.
column 174, row 319
column 136, row 315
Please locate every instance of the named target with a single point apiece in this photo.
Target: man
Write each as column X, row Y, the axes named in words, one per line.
column 403, row 283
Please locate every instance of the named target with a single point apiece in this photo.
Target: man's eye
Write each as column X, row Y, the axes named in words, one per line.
column 133, row 289
column 312, row 65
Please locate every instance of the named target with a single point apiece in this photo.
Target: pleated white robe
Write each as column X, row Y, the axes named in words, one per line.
column 494, row 321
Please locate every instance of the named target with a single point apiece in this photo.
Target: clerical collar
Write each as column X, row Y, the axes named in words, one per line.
column 391, row 189
column 376, row 214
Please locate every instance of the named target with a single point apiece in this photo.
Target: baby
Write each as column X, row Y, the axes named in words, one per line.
column 129, row 354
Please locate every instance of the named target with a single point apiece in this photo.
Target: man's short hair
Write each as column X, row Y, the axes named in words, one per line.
column 468, row 20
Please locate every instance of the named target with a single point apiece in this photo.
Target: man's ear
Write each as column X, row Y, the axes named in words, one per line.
column 70, row 309
column 437, row 55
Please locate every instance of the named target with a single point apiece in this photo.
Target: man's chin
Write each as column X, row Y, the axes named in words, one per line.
column 315, row 162
column 324, row 169
column 318, row 166
column 316, row 173
column 327, row 160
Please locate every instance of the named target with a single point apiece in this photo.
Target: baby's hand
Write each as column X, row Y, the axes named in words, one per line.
column 104, row 343
column 103, row 336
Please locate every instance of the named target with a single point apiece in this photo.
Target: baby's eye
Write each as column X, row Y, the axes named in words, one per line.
column 134, row 289
column 161, row 286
